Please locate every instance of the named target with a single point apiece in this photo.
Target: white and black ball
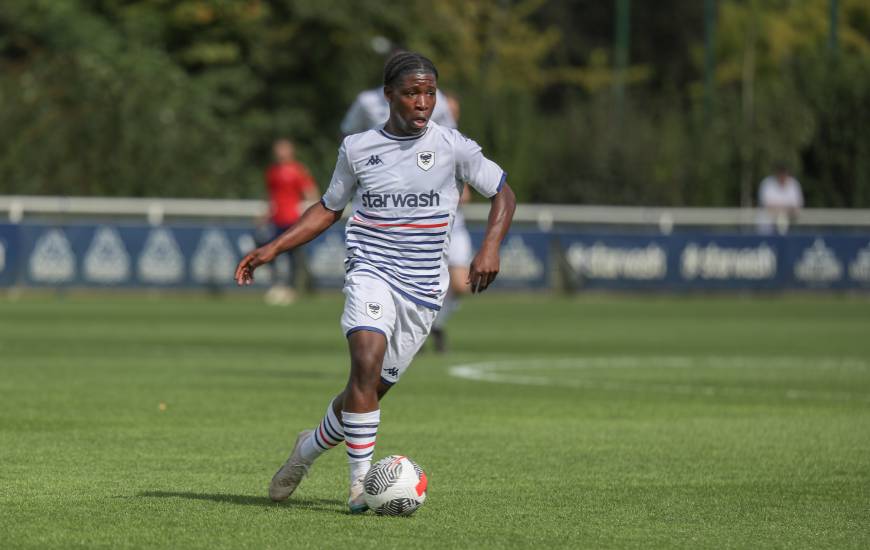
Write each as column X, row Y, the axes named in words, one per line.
column 395, row 486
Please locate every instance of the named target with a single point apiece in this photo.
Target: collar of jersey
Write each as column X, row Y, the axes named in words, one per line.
column 403, row 138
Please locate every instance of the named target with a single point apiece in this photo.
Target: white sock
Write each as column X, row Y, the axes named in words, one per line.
column 360, row 432
column 327, row 435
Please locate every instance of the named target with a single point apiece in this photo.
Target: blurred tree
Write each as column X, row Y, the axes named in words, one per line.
column 183, row 98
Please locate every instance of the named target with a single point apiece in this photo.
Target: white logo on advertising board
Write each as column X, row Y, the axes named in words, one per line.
column 52, row 259
column 107, row 260
column 518, row 261
column 327, row 260
column 715, row 262
column 818, row 264
column 604, row 262
column 161, row 261
column 859, row 268
column 214, row 260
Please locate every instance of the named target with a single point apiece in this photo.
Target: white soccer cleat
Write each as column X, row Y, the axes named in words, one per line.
column 288, row 477
column 356, row 500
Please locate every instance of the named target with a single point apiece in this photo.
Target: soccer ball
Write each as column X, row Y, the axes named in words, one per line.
column 395, row 486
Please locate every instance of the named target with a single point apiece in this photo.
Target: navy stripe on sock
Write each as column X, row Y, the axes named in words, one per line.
column 330, row 431
column 368, row 454
column 318, row 443
column 352, row 435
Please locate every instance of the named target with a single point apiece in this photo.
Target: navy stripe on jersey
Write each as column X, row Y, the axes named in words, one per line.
column 419, row 286
column 405, row 249
column 351, row 263
column 351, row 223
column 371, row 217
column 403, row 258
column 360, row 230
column 390, row 247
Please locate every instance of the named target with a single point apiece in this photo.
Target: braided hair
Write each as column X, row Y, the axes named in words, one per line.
column 403, row 63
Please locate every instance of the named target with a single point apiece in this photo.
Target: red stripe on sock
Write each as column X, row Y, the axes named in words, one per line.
column 362, row 446
column 325, row 439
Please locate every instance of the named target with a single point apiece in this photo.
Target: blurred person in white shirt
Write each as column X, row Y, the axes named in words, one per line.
column 780, row 198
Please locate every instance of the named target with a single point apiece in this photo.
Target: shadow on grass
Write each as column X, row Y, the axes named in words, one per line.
column 319, row 504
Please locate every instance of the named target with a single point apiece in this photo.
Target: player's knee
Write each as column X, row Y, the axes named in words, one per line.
column 366, row 367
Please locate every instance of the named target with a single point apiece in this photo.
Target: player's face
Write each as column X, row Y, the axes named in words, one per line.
column 411, row 103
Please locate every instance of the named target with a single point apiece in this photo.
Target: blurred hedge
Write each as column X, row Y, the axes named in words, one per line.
column 161, row 98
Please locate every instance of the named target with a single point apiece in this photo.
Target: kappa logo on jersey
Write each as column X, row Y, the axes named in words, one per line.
column 392, row 371
column 426, row 159
column 374, row 160
column 374, row 309
column 400, row 200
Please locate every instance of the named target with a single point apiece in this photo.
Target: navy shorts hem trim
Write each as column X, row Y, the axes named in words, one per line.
column 364, row 327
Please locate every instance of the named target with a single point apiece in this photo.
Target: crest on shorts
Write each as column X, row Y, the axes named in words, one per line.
column 426, row 159
column 374, row 309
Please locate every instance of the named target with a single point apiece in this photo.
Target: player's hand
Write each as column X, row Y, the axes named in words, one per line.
column 483, row 270
column 246, row 267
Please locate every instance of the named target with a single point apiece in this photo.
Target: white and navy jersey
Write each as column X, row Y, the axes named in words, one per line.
column 370, row 109
column 404, row 193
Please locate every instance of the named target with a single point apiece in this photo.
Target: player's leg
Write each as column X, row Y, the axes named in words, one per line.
column 361, row 413
column 367, row 321
column 281, row 293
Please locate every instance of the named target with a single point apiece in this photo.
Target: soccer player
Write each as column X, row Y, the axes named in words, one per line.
column 288, row 183
column 369, row 110
column 403, row 182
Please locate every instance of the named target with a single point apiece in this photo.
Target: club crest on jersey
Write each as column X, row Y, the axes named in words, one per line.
column 426, row 159
column 374, row 309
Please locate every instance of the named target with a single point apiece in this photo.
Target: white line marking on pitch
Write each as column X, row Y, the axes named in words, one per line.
column 500, row 372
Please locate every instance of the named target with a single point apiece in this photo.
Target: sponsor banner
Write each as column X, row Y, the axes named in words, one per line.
column 9, row 246
column 726, row 261
column 325, row 256
column 524, row 260
column 108, row 255
column 609, row 261
column 703, row 261
column 824, row 261
column 121, row 256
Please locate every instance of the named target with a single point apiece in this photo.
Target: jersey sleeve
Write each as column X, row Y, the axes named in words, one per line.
column 475, row 169
column 341, row 187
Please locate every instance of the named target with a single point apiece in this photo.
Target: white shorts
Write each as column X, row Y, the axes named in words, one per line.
column 459, row 250
column 371, row 304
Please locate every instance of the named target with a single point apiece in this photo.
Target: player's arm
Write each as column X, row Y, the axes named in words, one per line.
column 313, row 222
column 485, row 265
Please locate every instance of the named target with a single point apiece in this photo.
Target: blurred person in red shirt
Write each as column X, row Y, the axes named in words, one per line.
column 289, row 185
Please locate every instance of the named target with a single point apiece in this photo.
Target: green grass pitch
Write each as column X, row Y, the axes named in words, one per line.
column 553, row 422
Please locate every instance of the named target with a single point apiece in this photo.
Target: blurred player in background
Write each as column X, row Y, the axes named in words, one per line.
column 288, row 184
column 781, row 198
column 403, row 180
column 459, row 255
column 369, row 110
